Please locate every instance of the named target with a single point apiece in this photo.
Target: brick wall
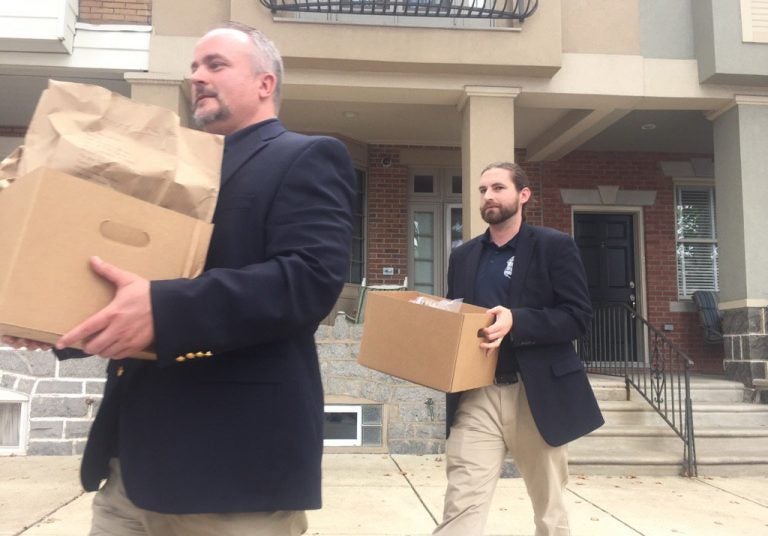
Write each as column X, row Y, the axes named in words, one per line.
column 387, row 217
column 116, row 11
column 638, row 171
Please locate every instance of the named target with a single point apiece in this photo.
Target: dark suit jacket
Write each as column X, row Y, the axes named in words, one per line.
column 550, row 304
column 241, row 430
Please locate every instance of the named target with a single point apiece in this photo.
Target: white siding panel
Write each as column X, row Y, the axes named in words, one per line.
column 38, row 25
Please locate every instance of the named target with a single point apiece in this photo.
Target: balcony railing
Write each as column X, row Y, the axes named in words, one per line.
column 518, row 10
column 622, row 343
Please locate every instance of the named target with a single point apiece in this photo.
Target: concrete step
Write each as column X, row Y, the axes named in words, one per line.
column 736, row 414
column 731, row 435
column 636, row 412
column 704, row 389
column 608, row 387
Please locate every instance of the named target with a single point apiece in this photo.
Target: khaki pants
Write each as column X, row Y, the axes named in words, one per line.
column 115, row 515
column 489, row 422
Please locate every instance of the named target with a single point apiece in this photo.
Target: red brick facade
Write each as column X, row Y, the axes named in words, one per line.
column 116, row 11
column 388, row 213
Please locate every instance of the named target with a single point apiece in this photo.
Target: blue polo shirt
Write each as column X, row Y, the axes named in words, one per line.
column 492, row 281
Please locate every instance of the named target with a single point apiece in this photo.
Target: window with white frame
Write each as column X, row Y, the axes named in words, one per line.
column 697, row 266
column 14, row 422
column 343, row 426
column 358, row 425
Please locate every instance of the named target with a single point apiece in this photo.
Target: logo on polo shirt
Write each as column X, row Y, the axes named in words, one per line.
column 508, row 269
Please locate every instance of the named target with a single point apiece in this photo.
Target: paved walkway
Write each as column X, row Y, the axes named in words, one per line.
column 382, row 495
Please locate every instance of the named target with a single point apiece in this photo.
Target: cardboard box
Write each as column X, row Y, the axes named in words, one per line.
column 431, row 347
column 52, row 223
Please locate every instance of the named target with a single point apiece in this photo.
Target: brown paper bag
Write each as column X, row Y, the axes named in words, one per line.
column 138, row 149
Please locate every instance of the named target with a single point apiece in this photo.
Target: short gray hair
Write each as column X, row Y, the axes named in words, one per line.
column 266, row 57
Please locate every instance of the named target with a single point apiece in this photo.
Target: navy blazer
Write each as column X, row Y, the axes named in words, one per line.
column 551, row 307
column 239, row 426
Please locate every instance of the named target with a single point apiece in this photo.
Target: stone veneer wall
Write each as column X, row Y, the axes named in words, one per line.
column 745, row 338
column 415, row 422
column 65, row 395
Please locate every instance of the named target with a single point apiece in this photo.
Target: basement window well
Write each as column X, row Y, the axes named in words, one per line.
column 13, row 422
column 353, row 425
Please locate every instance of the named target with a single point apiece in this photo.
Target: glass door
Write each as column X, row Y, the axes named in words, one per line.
column 424, row 223
column 435, row 228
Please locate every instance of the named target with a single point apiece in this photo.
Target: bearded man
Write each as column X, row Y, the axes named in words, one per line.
column 532, row 280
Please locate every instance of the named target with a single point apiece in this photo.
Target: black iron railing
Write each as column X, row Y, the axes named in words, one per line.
column 622, row 343
column 476, row 9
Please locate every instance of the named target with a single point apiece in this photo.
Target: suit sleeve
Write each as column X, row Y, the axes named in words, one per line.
column 567, row 315
column 308, row 237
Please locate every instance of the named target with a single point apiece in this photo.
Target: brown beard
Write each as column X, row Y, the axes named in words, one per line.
column 503, row 214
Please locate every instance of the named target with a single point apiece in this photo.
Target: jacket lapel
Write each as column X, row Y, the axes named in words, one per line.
column 523, row 254
column 256, row 141
column 473, row 262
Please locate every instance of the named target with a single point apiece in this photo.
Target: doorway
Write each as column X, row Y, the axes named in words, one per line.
column 434, row 213
column 607, row 245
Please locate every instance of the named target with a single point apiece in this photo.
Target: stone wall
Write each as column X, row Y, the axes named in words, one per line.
column 65, row 395
column 415, row 415
column 745, row 337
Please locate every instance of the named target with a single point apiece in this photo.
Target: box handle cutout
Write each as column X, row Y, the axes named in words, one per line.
column 124, row 234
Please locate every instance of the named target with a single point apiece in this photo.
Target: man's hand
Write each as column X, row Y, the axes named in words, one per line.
column 496, row 332
column 124, row 327
column 18, row 343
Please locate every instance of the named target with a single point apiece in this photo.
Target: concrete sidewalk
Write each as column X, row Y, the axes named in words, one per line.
column 378, row 494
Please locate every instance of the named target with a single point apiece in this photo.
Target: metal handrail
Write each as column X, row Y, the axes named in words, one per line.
column 473, row 9
column 623, row 343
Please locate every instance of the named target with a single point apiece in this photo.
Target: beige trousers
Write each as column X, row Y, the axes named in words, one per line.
column 490, row 422
column 115, row 515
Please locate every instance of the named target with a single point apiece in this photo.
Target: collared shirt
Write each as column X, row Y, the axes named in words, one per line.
column 492, row 281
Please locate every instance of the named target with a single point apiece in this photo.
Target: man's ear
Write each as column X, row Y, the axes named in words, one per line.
column 525, row 194
column 267, row 86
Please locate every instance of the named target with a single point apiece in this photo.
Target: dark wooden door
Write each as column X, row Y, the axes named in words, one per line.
column 607, row 246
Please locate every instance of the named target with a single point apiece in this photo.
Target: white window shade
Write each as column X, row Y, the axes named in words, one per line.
column 754, row 21
column 697, row 264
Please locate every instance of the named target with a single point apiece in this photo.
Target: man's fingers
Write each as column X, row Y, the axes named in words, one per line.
column 18, row 342
column 88, row 328
column 110, row 272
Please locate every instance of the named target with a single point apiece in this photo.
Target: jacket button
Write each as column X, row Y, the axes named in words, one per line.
column 120, row 371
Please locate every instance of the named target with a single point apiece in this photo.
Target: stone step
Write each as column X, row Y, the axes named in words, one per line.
column 731, row 435
column 704, row 389
column 704, row 414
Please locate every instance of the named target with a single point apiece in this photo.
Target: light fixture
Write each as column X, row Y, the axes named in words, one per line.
column 349, row 114
column 648, row 126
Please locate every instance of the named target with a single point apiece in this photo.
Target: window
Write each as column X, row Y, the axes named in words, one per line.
column 697, row 267
column 14, row 422
column 754, row 21
column 342, row 426
column 353, row 425
column 357, row 258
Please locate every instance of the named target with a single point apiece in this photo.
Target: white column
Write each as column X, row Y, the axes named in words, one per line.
column 488, row 135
